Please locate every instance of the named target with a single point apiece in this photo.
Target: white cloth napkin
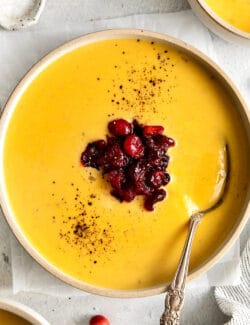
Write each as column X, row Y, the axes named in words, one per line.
column 234, row 301
column 19, row 50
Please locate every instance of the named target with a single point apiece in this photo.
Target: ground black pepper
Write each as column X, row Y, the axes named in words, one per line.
column 81, row 228
column 145, row 83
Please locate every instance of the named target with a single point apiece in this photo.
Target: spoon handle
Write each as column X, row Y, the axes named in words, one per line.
column 175, row 291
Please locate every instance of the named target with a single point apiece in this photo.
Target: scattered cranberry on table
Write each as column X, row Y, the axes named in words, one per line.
column 134, row 159
column 99, row 320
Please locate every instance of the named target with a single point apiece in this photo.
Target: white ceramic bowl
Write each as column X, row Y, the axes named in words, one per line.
column 32, row 74
column 22, row 311
column 217, row 25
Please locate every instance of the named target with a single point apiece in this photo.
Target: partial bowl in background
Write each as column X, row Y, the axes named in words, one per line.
column 22, row 311
column 218, row 25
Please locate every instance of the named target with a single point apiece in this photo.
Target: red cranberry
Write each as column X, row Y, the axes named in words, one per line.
column 92, row 153
column 137, row 173
column 159, row 163
column 133, row 146
column 148, row 204
column 156, row 178
column 156, row 145
column 157, row 196
column 128, row 194
column 114, row 157
column 135, row 160
column 100, row 144
column 161, row 143
column 166, row 179
column 120, row 127
column 99, row 320
column 153, row 129
column 170, row 142
column 116, row 178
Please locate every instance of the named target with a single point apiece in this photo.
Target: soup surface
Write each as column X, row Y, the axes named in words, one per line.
column 7, row 318
column 66, row 211
column 235, row 12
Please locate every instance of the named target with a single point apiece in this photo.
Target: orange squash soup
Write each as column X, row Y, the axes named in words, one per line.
column 7, row 318
column 234, row 12
column 66, row 211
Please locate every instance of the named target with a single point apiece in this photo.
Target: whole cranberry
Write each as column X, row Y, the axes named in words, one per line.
column 120, row 127
column 153, row 129
column 99, row 320
column 133, row 146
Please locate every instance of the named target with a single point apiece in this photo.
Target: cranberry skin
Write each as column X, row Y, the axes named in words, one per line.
column 166, row 179
column 133, row 146
column 161, row 142
column 156, row 178
column 99, row 320
column 159, row 163
column 156, row 145
column 120, row 127
column 137, row 174
column 157, row 196
column 116, row 178
column 153, row 130
column 128, row 194
column 90, row 157
column 148, row 204
column 114, row 157
column 100, row 144
column 170, row 142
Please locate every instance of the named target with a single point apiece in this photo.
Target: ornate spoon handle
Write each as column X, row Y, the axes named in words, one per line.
column 175, row 291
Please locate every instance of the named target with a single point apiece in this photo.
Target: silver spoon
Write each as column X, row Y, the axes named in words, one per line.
column 175, row 291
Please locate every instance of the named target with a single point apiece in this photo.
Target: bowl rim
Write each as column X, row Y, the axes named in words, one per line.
column 22, row 311
column 220, row 21
column 25, row 82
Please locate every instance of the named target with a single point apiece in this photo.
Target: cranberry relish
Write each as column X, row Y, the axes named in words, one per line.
column 135, row 160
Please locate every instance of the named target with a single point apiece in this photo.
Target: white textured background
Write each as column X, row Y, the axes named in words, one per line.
column 200, row 307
